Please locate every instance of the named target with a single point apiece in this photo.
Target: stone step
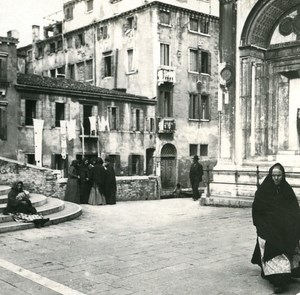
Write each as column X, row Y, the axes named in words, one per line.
column 220, row 201
column 52, row 205
column 36, row 200
column 70, row 212
column 4, row 189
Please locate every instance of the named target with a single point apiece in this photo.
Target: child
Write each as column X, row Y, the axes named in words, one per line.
column 177, row 191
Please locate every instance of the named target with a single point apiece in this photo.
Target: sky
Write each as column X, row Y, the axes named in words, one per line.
column 20, row 15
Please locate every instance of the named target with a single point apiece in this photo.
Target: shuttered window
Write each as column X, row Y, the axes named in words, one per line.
column 164, row 54
column 3, row 123
column 3, row 68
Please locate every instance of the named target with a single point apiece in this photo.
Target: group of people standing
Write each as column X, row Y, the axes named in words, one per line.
column 91, row 182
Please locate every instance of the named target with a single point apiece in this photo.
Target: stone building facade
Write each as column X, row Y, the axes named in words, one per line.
column 164, row 50
column 124, row 132
column 259, row 102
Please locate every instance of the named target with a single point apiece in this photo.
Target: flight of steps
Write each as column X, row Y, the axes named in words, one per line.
column 57, row 210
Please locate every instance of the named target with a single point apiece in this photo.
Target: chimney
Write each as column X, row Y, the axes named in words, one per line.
column 13, row 34
column 35, row 33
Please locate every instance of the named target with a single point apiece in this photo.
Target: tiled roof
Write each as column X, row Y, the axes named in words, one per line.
column 68, row 84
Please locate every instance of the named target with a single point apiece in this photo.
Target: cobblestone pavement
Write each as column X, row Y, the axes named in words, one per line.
column 163, row 247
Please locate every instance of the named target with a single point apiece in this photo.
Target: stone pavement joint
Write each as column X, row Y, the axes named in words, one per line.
column 59, row 288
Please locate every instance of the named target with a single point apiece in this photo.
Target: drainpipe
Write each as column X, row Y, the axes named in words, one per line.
column 116, row 69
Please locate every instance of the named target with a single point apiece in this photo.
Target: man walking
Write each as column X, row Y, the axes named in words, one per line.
column 196, row 173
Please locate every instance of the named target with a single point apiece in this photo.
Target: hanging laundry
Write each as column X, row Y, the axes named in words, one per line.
column 71, row 128
column 63, row 138
column 93, row 120
column 38, row 140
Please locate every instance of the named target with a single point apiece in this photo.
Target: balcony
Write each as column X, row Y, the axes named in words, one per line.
column 167, row 125
column 166, row 74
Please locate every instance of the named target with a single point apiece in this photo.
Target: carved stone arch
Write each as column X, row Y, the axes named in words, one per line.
column 263, row 19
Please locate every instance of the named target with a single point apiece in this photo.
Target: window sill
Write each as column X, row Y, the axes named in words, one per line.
column 199, row 33
column 199, row 120
column 194, row 73
column 165, row 25
column 132, row 72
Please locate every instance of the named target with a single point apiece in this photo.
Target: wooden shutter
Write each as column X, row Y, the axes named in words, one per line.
column 118, row 165
column 134, row 24
column 117, row 118
column 133, row 119
column 3, row 123
column 199, row 60
column 53, row 113
column 141, row 165
column 53, row 161
column 142, row 120
column 130, row 165
column 103, row 67
column 22, row 111
column 209, row 63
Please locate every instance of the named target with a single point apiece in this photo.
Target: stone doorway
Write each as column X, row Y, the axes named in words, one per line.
column 168, row 166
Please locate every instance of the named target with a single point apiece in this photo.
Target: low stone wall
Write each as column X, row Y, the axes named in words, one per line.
column 49, row 182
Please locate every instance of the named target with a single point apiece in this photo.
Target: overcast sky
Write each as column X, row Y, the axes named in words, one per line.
column 20, row 15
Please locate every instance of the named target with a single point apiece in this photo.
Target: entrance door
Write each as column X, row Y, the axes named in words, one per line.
column 168, row 166
column 294, row 104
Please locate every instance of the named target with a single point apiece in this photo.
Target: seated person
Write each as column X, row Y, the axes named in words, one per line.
column 20, row 206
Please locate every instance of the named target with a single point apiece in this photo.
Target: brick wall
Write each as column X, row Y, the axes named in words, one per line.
column 48, row 182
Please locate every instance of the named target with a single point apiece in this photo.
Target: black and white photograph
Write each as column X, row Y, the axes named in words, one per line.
column 149, row 147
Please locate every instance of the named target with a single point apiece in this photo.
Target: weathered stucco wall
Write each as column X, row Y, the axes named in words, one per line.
column 48, row 182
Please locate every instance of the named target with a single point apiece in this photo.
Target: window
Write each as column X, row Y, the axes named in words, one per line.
column 59, row 45
column 61, row 70
column 59, row 113
column 164, row 17
column 70, row 42
column 204, row 107
column 30, row 111
column 130, row 21
column 164, row 54
column 113, row 116
column 3, row 123
column 80, row 72
column 52, row 47
column 58, row 163
column 79, row 41
column 130, row 60
column 53, row 73
column 193, row 150
column 199, row 107
column 136, row 165
column 89, row 5
column 166, row 99
column 152, row 126
column 71, row 72
column 39, row 51
column 68, row 10
column 137, row 119
column 89, row 70
column 3, row 68
column 193, row 60
column 87, row 112
column 199, row 25
column 203, row 150
column 199, row 61
column 30, row 159
column 102, row 32
column 29, row 55
column 107, row 65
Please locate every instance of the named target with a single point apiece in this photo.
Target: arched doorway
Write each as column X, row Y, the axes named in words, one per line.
column 168, row 166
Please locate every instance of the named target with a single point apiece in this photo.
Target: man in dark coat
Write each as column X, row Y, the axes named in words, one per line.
column 110, row 187
column 196, row 173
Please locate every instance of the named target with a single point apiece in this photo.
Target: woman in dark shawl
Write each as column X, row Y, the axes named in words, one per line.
column 276, row 216
column 21, row 208
column 85, row 183
column 110, row 185
column 72, row 193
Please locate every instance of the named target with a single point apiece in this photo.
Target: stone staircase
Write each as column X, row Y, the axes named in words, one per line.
column 57, row 210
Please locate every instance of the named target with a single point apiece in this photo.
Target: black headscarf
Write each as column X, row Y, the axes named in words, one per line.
column 276, row 215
